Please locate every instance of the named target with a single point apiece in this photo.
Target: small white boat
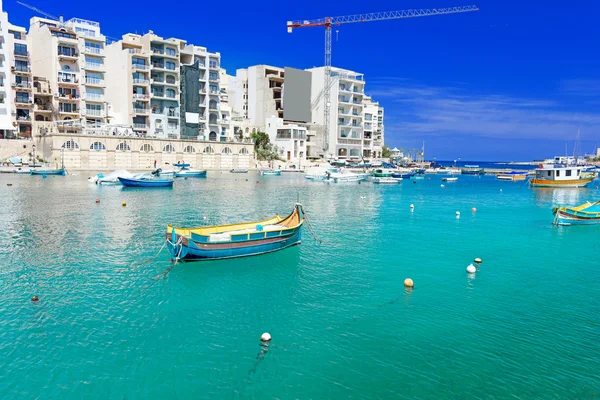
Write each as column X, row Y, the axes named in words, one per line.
column 167, row 173
column 386, row 180
column 346, row 176
column 450, row 179
column 319, row 173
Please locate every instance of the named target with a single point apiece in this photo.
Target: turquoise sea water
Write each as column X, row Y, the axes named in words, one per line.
column 526, row 326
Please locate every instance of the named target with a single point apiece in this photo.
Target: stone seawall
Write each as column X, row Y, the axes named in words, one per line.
column 15, row 148
column 101, row 153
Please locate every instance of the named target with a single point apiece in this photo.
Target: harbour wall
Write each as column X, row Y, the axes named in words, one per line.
column 15, row 148
column 101, row 153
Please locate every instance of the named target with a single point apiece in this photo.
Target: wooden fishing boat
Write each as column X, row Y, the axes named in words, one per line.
column 239, row 171
column 190, row 173
column 585, row 214
column 271, row 172
column 512, row 176
column 150, row 183
column 58, row 171
column 472, row 170
column 382, row 173
column 450, row 179
column 559, row 176
column 238, row 240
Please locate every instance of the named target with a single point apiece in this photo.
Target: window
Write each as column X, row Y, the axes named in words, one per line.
column 16, row 35
column 170, row 93
column 146, row 148
column 244, row 150
column 22, row 97
column 568, row 172
column 66, row 51
column 169, row 148
column 189, row 149
column 20, row 49
column 213, row 88
column 70, row 145
column 172, row 125
column 21, row 66
column 123, row 147
column 138, row 61
column 226, row 150
column 170, row 51
column 170, row 65
column 208, row 149
column 557, row 173
column 97, row 146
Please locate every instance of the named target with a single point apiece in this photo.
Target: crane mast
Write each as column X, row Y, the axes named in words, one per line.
column 329, row 22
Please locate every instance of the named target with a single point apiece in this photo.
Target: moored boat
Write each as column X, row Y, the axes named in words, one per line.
column 382, row 173
column 512, row 176
column 403, row 175
column 190, row 173
column 319, row 173
column 450, row 179
column 345, row 176
column 58, row 171
column 270, row 172
column 237, row 240
column 559, row 176
column 239, row 171
column 130, row 182
column 585, row 214
column 386, row 180
column 182, row 165
column 471, row 170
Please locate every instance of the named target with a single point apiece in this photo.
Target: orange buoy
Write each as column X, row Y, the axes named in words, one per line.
column 124, row 204
column 97, row 201
column 478, row 260
column 35, row 299
column 408, row 283
column 474, row 209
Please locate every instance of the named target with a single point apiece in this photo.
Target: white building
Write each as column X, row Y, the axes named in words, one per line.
column 16, row 109
column 7, row 130
column 258, row 93
column 373, row 128
column 345, row 139
column 290, row 140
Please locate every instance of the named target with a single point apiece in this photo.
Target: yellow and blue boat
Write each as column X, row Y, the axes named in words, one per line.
column 585, row 214
column 238, row 240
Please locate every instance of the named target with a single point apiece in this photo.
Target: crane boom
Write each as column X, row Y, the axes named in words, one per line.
column 329, row 22
column 379, row 16
column 37, row 10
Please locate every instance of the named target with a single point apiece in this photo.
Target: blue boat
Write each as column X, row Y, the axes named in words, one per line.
column 239, row 240
column 271, row 172
column 182, row 165
column 59, row 171
column 585, row 214
column 126, row 182
column 403, row 175
column 190, row 173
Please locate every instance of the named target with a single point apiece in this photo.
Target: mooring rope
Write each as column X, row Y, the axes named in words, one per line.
column 312, row 230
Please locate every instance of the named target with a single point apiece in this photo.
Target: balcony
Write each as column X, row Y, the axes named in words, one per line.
column 345, row 88
column 141, row 82
column 213, row 79
column 21, row 86
column 24, row 120
column 95, row 97
column 140, row 67
column 42, row 108
column 68, row 55
column 68, row 97
column 94, row 66
column 21, row 102
column 171, row 82
column 140, row 126
column 94, row 113
column 213, row 66
column 157, row 51
column 94, row 82
column 21, row 54
column 167, row 112
column 68, row 111
column 94, row 50
column 141, row 111
column 141, row 96
column 344, row 99
column 21, row 70
column 67, row 82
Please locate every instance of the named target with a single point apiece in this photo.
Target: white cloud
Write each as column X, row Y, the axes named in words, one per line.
column 445, row 110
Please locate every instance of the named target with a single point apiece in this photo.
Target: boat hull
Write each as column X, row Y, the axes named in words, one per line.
column 271, row 173
column 567, row 219
column 61, row 172
column 145, row 183
column 239, row 171
column 573, row 183
column 189, row 250
column 407, row 175
column 191, row 174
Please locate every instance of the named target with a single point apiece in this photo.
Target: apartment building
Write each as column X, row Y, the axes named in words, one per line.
column 21, row 110
column 346, row 134
column 378, row 141
column 289, row 139
column 258, row 93
column 370, row 115
column 91, row 50
column 238, row 93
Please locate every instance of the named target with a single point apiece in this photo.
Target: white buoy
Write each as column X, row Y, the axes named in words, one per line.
column 458, row 214
column 265, row 337
column 471, row 269
column 442, row 185
column 412, row 206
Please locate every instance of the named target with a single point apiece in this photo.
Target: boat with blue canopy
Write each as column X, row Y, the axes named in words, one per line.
column 403, row 175
column 237, row 240
column 585, row 214
column 149, row 183
column 190, row 173
column 182, row 165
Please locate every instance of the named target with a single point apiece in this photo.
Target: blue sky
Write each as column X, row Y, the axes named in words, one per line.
column 512, row 81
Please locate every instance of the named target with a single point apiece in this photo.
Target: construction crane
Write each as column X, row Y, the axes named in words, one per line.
column 329, row 22
column 37, row 10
